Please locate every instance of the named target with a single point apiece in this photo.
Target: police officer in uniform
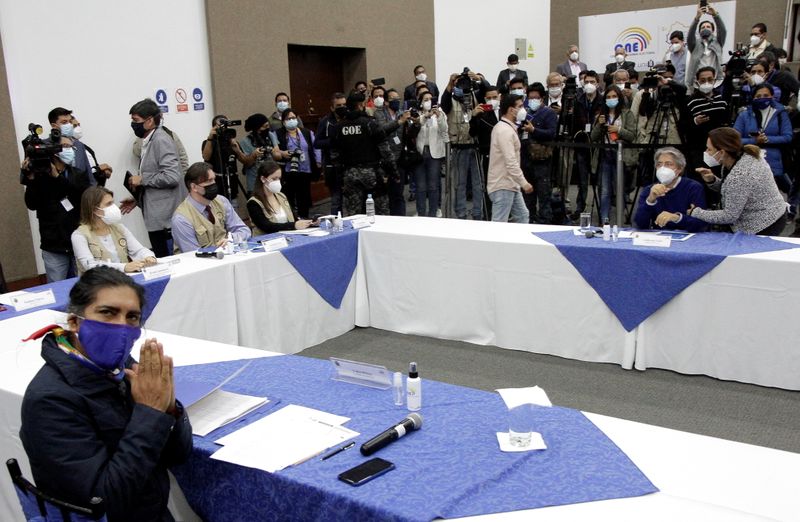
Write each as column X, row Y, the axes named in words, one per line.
column 357, row 138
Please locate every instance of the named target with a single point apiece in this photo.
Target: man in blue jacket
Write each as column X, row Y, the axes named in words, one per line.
column 537, row 154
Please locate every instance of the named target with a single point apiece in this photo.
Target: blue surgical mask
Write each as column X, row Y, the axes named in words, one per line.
column 612, row 102
column 760, row 104
column 518, row 92
column 291, row 123
column 534, row 104
column 108, row 345
column 282, row 106
column 66, row 130
column 67, row 156
column 458, row 92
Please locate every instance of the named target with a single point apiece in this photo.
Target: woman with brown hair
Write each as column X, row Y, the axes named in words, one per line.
column 268, row 208
column 101, row 240
column 751, row 202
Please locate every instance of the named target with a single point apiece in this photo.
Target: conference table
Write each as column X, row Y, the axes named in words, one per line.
column 698, row 477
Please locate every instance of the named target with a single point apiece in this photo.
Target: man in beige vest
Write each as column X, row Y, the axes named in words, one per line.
column 205, row 218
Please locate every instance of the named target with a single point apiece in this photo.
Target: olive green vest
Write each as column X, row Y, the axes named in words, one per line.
column 271, row 216
column 97, row 249
column 207, row 233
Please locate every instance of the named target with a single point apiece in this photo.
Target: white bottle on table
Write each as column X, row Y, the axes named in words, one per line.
column 370, row 208
column 606, row 230
column 413, row 388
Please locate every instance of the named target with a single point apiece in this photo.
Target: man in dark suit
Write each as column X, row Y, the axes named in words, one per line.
column 480, row 128
column 572, row 67
column 619, row 63
column 512, row 72
column 410, row 92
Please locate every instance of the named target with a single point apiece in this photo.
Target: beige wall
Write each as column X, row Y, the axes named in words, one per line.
column 16, row 247
column 564, row 16
column 249, row 58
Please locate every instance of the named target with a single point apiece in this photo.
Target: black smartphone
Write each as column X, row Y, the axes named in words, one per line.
column 366, row 471
column 703, row 3
column 378, row 81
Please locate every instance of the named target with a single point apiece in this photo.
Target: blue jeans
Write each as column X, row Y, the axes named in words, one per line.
column 608, row 181
column 507, row 203
column 464, row 163
column 428, row 176
column 58, row 266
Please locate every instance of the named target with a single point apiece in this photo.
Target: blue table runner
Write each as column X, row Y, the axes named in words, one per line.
column 636, row 281
column 451, row 467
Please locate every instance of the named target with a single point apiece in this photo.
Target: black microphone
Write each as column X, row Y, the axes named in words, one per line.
column 412, row 422
column 219, row 254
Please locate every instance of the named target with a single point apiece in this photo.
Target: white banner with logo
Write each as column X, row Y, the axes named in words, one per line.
column 645, row 34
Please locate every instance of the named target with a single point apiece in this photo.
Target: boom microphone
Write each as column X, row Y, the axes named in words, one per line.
column 412, row 422
column 219, row 254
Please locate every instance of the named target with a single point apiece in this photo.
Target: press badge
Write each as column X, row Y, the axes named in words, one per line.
column 66, row 204
column 588, row 127
column 396, row 140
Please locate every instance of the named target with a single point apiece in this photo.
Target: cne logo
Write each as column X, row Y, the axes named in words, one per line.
column 634, row 40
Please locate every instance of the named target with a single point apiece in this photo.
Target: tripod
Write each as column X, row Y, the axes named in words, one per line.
column 228, row 171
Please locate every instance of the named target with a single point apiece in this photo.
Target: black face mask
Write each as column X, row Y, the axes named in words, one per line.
column 341, row 112
column 705, row 33
column 138, row 129
column 394, row 105
column 211, row 192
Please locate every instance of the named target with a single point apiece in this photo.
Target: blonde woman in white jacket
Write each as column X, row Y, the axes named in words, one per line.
column 431, row 139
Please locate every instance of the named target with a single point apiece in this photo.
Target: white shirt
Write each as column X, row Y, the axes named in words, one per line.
column 575, row 68
column 85, row 258
column 280, row 215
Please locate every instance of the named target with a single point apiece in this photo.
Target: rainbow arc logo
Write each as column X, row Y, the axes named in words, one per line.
column 634, row 39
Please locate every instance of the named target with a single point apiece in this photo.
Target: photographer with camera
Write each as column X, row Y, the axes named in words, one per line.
column 537, row 154
column 706, row 51
column 357, row 139
column 256, row 146
column 63, row 120
column 301, row 162
column 659, row 105
column 221, row 150
column 53, row 189
column 388, row 114
column 460, row 102
column 332, row 166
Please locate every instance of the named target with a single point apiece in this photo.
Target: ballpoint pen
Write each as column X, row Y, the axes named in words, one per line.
column 339, row 450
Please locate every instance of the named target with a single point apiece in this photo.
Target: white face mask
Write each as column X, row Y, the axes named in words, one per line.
column 517, row 92
column 665, row 175
column 426, row 105
column 378, row 101
column 273, row 186
column 755, row 40
column 512, row 67
column 521, row 114
column 757, row 79
column 589, row 88
column 554, row 92
column 574, row 56
column 710, row 160
column 620, row 85
column 494, row 103
column 676, row 47
column 705, row 88
column 77, row 132
column 781, row 61
column 421, row 77
column 620, row 58
column 111, row 215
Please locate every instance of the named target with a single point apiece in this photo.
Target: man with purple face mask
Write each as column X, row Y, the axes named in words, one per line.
column 95, row 423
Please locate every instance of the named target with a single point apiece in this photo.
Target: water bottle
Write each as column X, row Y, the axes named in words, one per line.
column 606, row 230
column 370, row 208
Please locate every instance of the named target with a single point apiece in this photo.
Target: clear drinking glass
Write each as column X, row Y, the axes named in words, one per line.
column 586, row 221
column 520, row 425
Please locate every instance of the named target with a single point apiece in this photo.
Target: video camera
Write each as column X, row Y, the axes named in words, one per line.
column 738, row 64
column 224, row 132
column 651, row 81
column 37, row 151
column 465, row 83
column 570, row 88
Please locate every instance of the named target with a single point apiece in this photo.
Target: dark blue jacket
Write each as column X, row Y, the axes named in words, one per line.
column 85, row 437
column 678, row 200
column 778, row 131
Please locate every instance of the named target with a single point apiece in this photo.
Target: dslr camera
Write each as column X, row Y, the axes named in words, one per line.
column 293, row 165
column 38, row 152
column 465, row 83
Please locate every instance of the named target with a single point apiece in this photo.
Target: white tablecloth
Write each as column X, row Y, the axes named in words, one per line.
column 496, row 283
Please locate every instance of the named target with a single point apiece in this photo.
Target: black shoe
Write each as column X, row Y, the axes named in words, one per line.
column 412, row 197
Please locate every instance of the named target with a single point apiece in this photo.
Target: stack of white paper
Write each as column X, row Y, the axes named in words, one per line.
column 219, row 408
column 290, row 436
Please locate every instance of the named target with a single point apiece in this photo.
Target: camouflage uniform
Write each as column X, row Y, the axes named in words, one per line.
column 358, row 183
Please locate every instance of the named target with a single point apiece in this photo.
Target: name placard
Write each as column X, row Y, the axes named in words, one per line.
column 155, row 271
column 651, row 240
column 361, row 222
column 25, row 300
column 271, row 245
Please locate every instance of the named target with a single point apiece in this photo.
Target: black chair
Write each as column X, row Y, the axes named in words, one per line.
column 49, row 506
